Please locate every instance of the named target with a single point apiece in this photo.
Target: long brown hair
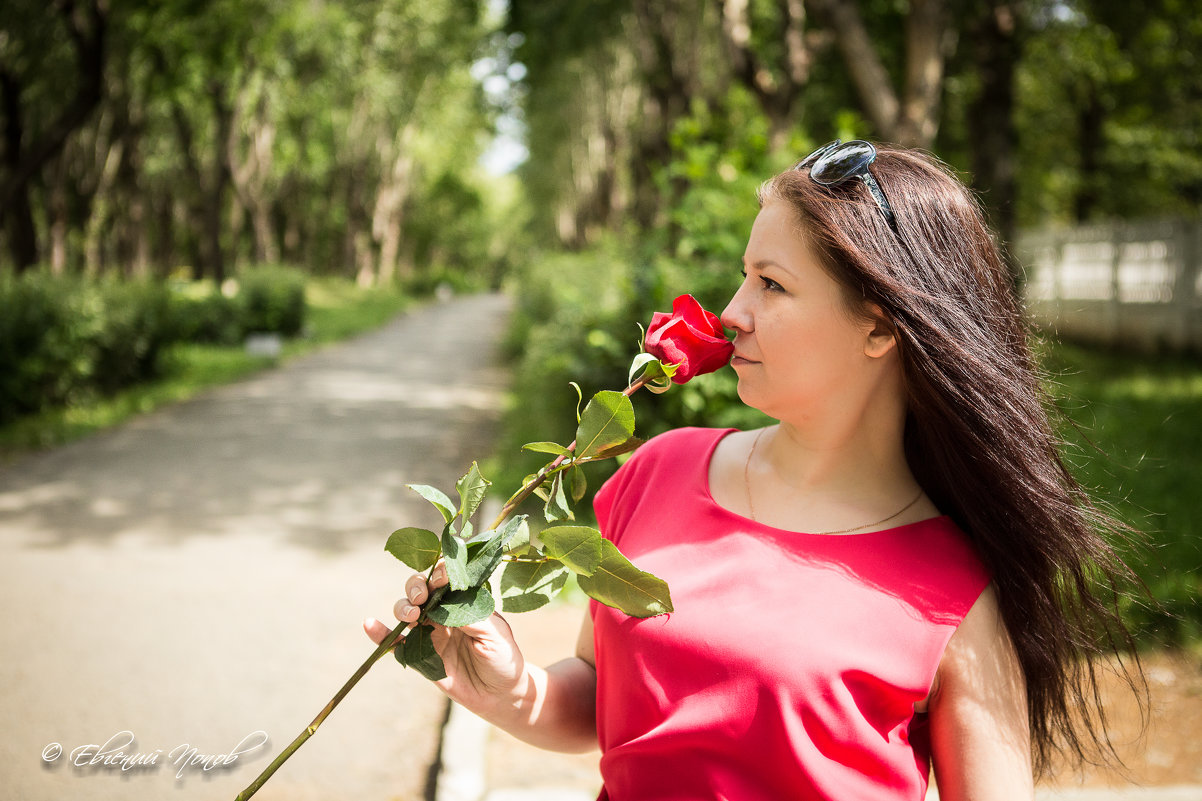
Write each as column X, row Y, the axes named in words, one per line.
column 979, row 436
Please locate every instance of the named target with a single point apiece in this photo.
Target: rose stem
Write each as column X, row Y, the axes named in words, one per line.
column 542, row 474
column 398, row 633
column 391, row 641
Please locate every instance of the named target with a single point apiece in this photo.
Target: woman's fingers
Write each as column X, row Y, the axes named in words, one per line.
column 417, row 591
column 408, row 609
column 376, row 630
column 416, row 588
column 439, row 576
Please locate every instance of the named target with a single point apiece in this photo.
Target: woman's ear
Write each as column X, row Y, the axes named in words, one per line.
column 882, row 337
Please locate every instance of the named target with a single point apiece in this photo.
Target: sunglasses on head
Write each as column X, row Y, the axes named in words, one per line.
column 839, row 161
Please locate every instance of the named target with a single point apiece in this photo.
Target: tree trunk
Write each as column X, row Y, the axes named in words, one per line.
column 220, row 182
column 998, row 45
column 393, row 192
column 665, row 103
column 778, row 91
column 912, row 120
column 928, row 42
column 1091, row 116
column 16, row 212
column 869, row 76
column 97, row 228
column 87, row 30
column 251, row 173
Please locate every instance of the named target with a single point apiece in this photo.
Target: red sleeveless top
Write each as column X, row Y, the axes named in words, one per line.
column 792, row 662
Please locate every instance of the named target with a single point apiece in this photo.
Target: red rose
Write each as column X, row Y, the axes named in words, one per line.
column 689, row 337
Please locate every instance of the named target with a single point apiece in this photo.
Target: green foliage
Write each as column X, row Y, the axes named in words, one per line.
column 526, row 586
column 44, row 355
column 272, row 300
column 1135, row 441
column 42, row 345
column 617, row 582
column 63, row 340
column 537, row 567
column 133, row 325
column 211, row 318
column 416, row 547
column 417, row 652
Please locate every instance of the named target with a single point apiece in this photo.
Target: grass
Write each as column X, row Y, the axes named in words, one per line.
column 337, row 310
column 1137, row 442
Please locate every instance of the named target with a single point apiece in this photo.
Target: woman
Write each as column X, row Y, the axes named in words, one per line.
column 897, row 575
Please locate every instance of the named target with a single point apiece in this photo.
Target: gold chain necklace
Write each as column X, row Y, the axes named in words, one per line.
column 751, row 506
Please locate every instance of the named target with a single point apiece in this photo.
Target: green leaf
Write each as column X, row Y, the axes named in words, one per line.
column 485, row 556
column 472, row 488
column 416, row 547
column 525, row 586
column 647, row 366
column 579, row 399
column 620, row 584
column 454, row 554
column 634, row 443
column 547, row 447
column 578, row 547
column 520, row 544
column 437, row 497
column 527, row 481
column 577, row 484
column 640, row 361
column 464, row 607
column 557, row 507
column 417, row 651
column 608, row 421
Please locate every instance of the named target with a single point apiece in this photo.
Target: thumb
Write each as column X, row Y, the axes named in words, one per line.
column 375, row 630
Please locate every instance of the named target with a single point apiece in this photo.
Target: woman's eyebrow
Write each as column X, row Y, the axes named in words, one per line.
column 763, row 264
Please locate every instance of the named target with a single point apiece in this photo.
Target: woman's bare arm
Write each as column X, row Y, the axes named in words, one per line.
column 980, row 739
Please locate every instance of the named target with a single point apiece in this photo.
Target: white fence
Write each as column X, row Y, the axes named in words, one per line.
column 1133, row 284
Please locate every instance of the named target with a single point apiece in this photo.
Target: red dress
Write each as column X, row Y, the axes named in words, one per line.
column 792, row 662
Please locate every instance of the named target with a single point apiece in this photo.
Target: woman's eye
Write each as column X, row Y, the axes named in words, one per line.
column 771, row 285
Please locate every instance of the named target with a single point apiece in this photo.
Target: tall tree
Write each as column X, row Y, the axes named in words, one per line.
column 776, row 74
column 910, row 116
column 35, row 129
column 996, row 37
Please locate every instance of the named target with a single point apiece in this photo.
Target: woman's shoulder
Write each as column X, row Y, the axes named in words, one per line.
column 667, row 453
column 688, row 444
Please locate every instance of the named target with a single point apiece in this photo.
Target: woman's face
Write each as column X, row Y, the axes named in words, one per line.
column 798, row 349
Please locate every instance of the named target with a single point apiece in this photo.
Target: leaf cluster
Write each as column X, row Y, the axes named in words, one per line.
column 537, row 566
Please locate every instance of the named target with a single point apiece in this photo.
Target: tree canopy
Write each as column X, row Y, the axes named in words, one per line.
column 142, row 139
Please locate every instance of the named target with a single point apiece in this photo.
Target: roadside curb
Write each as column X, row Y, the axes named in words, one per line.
column 464, row 767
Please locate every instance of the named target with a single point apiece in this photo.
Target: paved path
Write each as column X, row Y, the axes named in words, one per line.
column 199, row 574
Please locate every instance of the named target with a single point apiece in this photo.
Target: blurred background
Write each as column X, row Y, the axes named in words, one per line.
column 190, row 189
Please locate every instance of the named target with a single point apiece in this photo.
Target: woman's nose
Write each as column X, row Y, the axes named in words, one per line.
column 734, row 316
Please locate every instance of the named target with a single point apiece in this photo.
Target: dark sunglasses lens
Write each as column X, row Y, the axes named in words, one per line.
column 817, row 154
column 850, row 159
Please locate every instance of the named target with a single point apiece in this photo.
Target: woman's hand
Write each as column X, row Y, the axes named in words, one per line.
column 552, row 708
column 485, row 668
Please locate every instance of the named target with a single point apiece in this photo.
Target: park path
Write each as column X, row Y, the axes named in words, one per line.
column 199, row 574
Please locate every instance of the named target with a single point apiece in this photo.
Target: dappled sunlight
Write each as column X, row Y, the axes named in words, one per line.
column 317, row 454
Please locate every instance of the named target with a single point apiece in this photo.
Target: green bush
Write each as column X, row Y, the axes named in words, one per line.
column 272, row 300
column 43, row 358
column 63, row 338
column 132, row 325
column 208, row 319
